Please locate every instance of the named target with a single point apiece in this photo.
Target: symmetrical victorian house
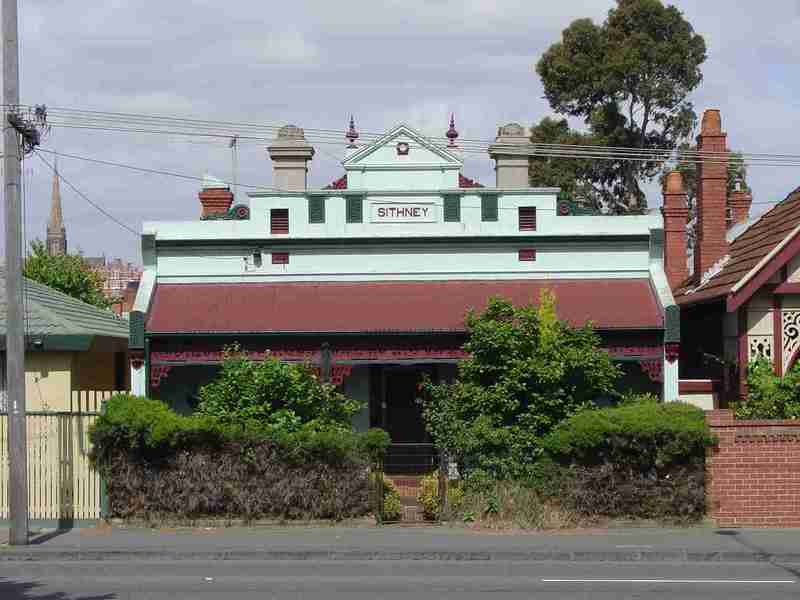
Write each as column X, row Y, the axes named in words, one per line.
column 369, row 279
column 742, row 298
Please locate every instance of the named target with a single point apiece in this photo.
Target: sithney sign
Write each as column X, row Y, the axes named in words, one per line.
column 402, row 212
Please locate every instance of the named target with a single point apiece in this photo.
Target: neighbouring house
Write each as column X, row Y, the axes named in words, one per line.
column 71, row 348
column 369, row 279
column 741, row 299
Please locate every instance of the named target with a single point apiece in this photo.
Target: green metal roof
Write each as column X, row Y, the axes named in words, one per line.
column 60, row 321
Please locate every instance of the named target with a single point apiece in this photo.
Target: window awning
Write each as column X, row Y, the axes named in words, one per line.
column 389, row 307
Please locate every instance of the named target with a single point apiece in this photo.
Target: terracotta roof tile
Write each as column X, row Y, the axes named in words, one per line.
column 746, row 251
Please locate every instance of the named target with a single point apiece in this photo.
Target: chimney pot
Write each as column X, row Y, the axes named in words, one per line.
column 676, row 213
column 511, row 165
column 290, row 154
column 215, row 197
column 711, row 243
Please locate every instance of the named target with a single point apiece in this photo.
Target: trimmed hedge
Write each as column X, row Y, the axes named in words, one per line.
column 644, row 460
column 158, row 463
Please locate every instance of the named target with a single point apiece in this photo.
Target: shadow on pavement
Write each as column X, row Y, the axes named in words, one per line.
column 41, row 538
column 27, row 590
column 755, row 548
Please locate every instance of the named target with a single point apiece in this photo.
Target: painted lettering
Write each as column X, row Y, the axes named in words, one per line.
column 381, row 212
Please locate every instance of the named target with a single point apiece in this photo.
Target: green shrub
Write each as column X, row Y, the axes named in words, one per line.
column 637, row 460
column 429, row 499
column 526, row 371
column 391, row 501
column 279, row 395
column 156, row 462
column 770, row 396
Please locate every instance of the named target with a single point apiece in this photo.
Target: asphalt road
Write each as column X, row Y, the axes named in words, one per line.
column 414, row 580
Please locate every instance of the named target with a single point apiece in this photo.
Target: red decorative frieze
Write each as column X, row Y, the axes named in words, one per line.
column 654, row 369
column 653, row 352
column 338, row 373
column 672, row 351
column 157, row 373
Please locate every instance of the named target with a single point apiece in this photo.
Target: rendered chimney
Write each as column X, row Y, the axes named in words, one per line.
column 511, row 165
column 676, row 214
column 215, row 197
column 290, row 153
column 712, row 191
column 739, row 201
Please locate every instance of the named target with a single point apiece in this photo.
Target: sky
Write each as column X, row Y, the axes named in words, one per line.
column 313, row 63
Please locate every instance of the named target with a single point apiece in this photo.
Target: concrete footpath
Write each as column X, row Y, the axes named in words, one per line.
column 698, row 544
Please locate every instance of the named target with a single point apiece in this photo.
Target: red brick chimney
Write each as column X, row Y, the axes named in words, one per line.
column 215, row 197
column 739, row 202
column 712, row 191
column 676, row 214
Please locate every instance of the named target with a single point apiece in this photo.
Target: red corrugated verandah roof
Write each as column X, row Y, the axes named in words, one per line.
column 398, row 306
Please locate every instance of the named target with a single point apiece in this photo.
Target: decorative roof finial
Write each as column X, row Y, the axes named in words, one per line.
column 352, row 134
column 452, row 134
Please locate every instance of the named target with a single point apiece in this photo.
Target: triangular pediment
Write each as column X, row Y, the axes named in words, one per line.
column 388, row 151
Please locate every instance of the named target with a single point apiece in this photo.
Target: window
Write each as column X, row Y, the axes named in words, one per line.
column 489, row 208
column 280, row 258
column 355, row 209
column 527, row 254
column 279, row 220
column 316, row 209
column 452, row 208
column 527, row 218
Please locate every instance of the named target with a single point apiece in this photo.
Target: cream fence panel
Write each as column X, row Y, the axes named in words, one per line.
column 61, row 485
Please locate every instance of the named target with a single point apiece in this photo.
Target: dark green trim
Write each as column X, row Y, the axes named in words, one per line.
column 672, row 324
column 355, row 209
column 489, row 207
column 452, row 208
column 374, row 240
column 316, row 209
column 79, row 342
column 136, row 324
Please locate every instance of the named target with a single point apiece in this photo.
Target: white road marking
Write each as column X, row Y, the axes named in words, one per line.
column 733, row 581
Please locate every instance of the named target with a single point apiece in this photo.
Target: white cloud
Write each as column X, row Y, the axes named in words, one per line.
column 315, row 62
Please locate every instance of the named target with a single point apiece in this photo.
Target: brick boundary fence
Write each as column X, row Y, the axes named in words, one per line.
column 753, row 474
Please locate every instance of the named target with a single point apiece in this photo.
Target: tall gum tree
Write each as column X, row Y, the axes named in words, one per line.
column 629, row 79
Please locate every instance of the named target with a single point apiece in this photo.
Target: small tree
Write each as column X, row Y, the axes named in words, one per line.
column 68, row 273
column 770, row 396
column 278, row 395
column 526, row 372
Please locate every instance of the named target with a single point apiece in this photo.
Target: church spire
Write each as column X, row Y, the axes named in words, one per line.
column 56, row 232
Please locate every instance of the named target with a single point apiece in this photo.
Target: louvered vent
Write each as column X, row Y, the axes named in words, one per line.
column 527, row 254
column 527, row 218
column 279, row 221
column 280, row 258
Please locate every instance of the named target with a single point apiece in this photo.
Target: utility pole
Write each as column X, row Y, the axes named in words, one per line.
column 15, row 333
column 234, row 146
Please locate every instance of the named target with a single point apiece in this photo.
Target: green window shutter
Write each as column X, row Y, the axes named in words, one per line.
column 489, row 207
column 452, row 208
column 316, row 209
column 355, row 209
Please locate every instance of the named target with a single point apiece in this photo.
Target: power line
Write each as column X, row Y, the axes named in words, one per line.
column 86, row 198
column 99, row 117
column 153, row 171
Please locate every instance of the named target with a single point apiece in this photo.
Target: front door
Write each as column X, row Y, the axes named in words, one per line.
column 403, row 414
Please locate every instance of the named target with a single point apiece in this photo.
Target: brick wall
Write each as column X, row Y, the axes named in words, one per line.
column 753, row 474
